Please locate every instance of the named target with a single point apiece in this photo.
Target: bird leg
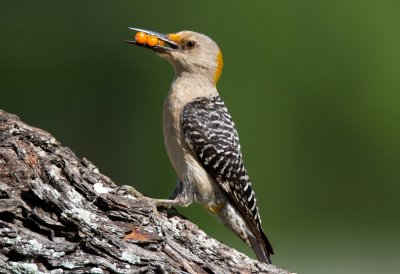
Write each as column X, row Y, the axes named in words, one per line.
column 182, row 196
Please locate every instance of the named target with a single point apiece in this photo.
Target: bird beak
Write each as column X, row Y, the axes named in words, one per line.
column 166, row 47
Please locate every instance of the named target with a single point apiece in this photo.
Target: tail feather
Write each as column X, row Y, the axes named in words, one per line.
column 262, row 247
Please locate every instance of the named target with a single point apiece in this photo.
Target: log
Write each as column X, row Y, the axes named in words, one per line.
column 59, row 214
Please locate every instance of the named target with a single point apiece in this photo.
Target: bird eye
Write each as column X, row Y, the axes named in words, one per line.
column 190, row 44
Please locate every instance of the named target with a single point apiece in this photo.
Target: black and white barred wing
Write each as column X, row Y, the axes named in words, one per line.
column 211, row 134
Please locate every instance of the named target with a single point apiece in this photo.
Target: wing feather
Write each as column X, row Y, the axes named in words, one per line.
column 210, row 132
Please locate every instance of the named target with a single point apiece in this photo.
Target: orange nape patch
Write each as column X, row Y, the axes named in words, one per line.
column 220, row 64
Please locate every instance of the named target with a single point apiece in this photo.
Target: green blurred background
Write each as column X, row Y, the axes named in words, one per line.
column 313, row 86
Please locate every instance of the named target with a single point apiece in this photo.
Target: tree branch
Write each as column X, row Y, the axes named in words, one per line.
column 59, row 213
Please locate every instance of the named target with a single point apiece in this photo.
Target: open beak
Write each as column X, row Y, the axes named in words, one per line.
column 168, row 45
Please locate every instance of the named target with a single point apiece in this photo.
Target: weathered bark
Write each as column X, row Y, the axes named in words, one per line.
column 59, row 214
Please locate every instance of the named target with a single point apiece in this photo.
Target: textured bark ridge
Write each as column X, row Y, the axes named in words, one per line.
column 59, row 214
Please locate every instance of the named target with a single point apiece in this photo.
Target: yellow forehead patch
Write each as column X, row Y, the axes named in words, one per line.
column 174, row 37
column 220, row 64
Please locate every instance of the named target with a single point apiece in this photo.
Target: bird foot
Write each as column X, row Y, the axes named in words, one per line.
column 126, row 189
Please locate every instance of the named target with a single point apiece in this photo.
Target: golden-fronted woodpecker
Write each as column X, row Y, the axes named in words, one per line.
column 201, row 139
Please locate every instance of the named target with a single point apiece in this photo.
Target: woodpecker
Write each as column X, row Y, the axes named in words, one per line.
column 201, row 139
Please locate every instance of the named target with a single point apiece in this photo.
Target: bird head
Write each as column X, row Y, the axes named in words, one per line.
column 188, row 51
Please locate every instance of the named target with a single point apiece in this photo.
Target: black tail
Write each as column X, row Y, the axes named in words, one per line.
column 262, row 247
